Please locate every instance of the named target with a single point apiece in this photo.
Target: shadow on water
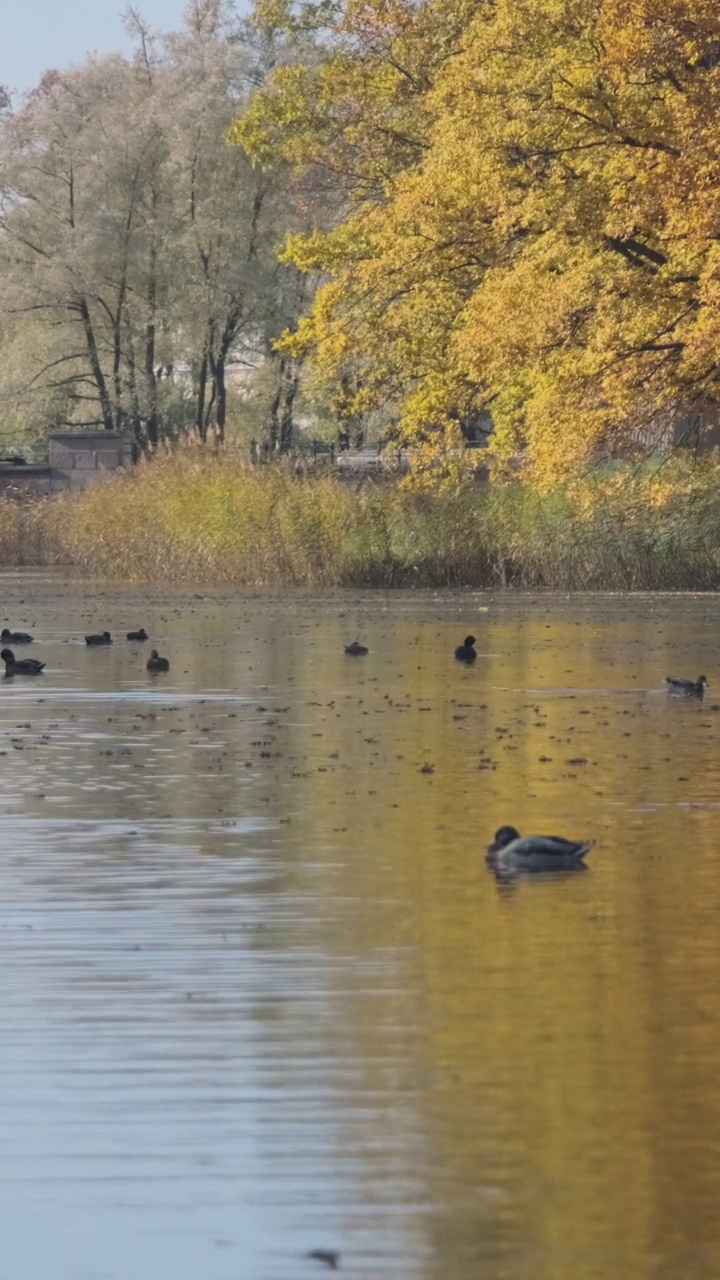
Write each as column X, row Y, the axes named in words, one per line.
column 262, row 997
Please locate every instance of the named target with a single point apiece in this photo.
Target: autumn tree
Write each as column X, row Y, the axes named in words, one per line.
column 138, row 248
column 73, row 217
column 531, row 212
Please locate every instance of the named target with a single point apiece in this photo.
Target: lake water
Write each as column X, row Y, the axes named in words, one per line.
column 259, row 993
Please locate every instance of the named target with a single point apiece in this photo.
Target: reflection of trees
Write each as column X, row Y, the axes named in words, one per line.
column 517, row 1079
column 516, row 1047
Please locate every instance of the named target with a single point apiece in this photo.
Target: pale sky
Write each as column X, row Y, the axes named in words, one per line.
column 38, row 34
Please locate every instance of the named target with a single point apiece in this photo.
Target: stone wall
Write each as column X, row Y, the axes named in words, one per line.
column 24, row 483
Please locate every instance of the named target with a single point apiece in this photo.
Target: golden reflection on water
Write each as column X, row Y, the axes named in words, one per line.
column 453, row 1076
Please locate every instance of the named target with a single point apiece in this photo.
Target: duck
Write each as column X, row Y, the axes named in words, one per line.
column 356, row 649
column 156, row 663
column 510, row 851
column 692, row 688
column 15, row 637
column 138, row 635
column 465, row 652
column 328, row 1257
column 103, row 638
column 20, row 666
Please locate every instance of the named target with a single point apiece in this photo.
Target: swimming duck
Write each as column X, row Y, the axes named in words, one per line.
column 20, row 666
column 15, row 637
column 356, row 649
column 511, row 852
column 465, row 652
column 103, row 638
column 692, row 688
column 138, row 635
column 156, row 663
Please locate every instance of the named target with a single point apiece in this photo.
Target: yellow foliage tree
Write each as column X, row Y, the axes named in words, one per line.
column 530, row 212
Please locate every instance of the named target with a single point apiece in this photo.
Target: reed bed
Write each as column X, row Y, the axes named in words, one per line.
column 204, row 518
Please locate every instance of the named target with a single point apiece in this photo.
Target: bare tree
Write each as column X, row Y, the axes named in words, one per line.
column 232, row 214
column 74, row 217
column 137, row 246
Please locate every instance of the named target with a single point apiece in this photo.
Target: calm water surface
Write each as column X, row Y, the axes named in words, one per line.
column 259, row 994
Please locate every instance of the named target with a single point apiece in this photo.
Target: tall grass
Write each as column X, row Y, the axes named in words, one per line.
column 189, row 517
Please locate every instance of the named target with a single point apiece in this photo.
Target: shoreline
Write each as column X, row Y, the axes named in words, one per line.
column 73, row 575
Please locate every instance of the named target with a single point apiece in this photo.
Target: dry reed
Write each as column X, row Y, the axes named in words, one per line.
column 192, row 517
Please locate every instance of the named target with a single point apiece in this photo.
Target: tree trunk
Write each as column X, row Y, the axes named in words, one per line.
column 286, row 417
column 119, row 312
column 98, row 375
column 219, row 369
column 136, row 414
column 202, row 388
column 211, row 400
column 117, row 347
column 90, row 339
column 150, row 333
column 221, row 388
column 274, row 427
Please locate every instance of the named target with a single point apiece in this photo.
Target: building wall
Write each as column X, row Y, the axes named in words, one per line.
column 700, row 430
column 84, row 456
column 664, row 430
